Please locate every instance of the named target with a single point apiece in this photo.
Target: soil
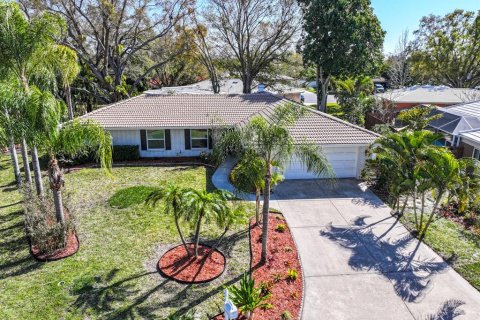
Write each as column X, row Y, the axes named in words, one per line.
column 70, row 249
column 176, row 265
column 286, row 295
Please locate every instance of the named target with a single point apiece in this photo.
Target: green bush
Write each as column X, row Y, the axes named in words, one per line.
column 246, row 296
column 281, row 227
column 292, row 275
column 126, row 153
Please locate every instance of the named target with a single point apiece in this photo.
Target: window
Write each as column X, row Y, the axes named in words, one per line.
column 456, row 141
column 476, row 154
column 156, row 139
column 199, row 138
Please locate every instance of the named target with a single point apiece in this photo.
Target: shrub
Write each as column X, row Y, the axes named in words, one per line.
column 294, row 295
column 281, row 227
column 288, row 249
column 246, row 296
column 267, row 306
column 266, row 287
column 286, row 315
column 40, row 223
column 126, row 153
column 206, row 157
column 277, row 277
column 292, row 274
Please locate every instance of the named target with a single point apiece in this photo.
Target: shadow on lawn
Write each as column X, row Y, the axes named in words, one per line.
column 395, row 259
column 448, row 311
column 112, row 298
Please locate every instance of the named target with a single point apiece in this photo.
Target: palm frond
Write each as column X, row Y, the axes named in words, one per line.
column 314, row 159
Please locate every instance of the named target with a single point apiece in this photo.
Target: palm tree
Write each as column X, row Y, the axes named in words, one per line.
column 73, row 139
column 270, row 140
column 353, row 95
column 29, row 51
column 249, row 175
column 207, row 206
column 467, row 192
column 174, row 199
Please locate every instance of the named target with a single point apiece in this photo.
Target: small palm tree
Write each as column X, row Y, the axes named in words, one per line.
column 73, row 139
column 174, row 199
column 247, row 297
column 203, row 206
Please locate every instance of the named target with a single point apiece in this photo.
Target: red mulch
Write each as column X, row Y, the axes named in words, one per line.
column 175, row 264
column 70, row 249
column 285, row 295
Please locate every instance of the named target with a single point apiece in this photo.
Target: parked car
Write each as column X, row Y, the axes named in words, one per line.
column 379, row 88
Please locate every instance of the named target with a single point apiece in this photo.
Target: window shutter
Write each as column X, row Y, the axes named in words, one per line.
column 210, row 140
column 143, row 139
column 168, row 140
column 187, row 139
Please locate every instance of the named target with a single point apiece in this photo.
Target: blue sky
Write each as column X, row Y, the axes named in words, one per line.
column 398, row 15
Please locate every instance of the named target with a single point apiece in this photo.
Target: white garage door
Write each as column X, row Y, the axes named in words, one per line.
column 344, row 160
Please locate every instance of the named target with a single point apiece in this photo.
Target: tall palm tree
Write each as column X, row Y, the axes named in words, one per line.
column 270, row 140
column 174, row 198
column 203, row 206
column 30, row 51
column 73, row 139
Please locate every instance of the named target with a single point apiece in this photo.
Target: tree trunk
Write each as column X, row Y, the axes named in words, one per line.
column 404, row 205
column 57, row 198
column 247, row 83
column 16, row 167
column 177, row 224
column 257, row 206
column 415, row 206
column 26, row 163
column 68, row 99
column 430, row 219
column 197, row 235
column 55, row 177
column 422, row 210
column 37, row 172
column 322, row 90
column 266, row 208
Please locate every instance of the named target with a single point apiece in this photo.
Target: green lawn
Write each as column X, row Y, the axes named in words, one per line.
column 114, row 275
column 461, row 248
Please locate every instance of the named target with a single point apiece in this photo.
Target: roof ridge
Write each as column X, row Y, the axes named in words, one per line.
column 111, row 105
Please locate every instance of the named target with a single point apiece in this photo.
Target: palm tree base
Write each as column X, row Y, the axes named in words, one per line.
column 72, row 247
column 175, row 264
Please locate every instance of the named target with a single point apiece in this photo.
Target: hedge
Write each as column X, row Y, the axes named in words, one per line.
column 126, row 153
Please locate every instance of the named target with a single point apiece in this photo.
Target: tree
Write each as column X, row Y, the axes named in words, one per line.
column 174, row 199
column 73, row 139
column 255, row 32
column 353, row 96
column 249, row 174
column 467, row 192
column 247, row 297
column 203, row 206
column 343, row 38
column 270, row 140
column 446, row 49
column 399, row 64
column 417, row 118
column 110, row 36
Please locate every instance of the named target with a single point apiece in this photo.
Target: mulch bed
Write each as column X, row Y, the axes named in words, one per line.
column 176, row 265
column 70, row 249
column 450, row 211
column 286, row 295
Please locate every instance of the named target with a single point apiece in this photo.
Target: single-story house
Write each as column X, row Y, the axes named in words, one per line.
column 179, row 125
column 440, row 96
column 457, row 124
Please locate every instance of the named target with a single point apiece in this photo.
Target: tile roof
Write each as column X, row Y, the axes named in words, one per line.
column 473, row 135
column 430, row 95
column 206, row 110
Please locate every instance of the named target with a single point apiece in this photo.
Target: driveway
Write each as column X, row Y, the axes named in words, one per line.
column 359, row 262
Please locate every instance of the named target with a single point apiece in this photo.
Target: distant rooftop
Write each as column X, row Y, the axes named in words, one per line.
column 428, row 94
column 458, row 118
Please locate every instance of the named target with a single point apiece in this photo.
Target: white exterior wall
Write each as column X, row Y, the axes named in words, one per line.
column 132, row 137
column 346, row 161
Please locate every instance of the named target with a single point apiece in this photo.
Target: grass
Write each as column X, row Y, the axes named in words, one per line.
column 460, row 247
column 114, row 275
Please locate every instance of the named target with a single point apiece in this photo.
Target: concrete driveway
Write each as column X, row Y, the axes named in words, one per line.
column 360, row 263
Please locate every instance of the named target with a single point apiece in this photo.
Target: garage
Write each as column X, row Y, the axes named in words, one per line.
column 346, row 161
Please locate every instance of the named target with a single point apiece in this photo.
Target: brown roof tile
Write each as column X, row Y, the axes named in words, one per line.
column 204, row 110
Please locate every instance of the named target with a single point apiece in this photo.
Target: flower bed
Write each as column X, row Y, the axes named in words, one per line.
column 71, row 248
column 176, row 265
column 273, row 276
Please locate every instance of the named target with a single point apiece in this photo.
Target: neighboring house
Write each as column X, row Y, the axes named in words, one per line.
column 471, row 142
column 179, row 125
column 440, row 96
column 458, row 124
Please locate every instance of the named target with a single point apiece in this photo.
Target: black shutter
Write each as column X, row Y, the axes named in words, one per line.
column 143, row 139
column 187, row 139
column 210, row 140
column 168, row 140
